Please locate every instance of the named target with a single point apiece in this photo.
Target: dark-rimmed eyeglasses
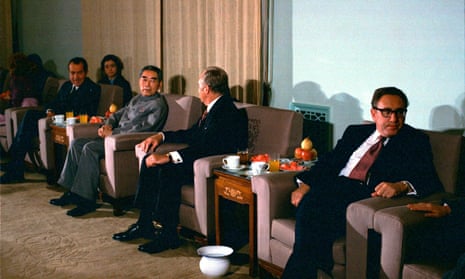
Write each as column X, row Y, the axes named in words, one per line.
column 386, row 113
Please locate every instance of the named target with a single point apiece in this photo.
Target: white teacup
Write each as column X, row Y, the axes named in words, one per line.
column 71, row 121
column 232, row 161
column 259, row 167
column 59, row 118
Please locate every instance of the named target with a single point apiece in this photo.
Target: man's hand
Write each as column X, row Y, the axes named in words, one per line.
column 299, row 193
column 150, row 143
column 430, row 209
column 105, row 131
column 389, row 190
column 156, row 159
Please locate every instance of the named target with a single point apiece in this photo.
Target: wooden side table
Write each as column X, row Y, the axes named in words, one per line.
column 237, row 187
column 61, row 144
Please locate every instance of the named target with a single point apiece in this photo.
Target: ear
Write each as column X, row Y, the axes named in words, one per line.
column 373, row 113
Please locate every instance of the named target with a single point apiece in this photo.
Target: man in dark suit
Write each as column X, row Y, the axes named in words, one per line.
column 222, row 130
column 79, row 94
column 403, row 166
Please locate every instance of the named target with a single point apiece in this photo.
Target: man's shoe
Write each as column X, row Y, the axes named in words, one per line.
column 159, row 245
column 135, row 231
column 66, row 199
column 9, row 178
column 81, row 210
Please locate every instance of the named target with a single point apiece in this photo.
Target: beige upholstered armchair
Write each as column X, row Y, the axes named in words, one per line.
column 110, row 94
column 400, row 227
column 355, row 254
column 119, row 169
column 270, row 130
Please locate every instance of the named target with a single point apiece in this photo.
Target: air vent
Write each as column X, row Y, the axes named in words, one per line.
column 311, row 112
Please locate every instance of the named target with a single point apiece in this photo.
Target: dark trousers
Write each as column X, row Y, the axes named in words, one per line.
column 320, row 220
column 22, row 143
column 158, row 193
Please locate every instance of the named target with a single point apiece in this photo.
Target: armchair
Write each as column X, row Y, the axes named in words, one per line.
column 399, row 227
column 110, row 94
column 197, row 206
column 119, row 170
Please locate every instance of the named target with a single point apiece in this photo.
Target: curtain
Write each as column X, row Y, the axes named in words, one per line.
column 182, row 37
column 6, row 32
column 201, row 33
column 129, row 29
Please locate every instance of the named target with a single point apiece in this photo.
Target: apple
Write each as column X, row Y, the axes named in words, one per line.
column 314, row 154
column 298, row 153
column 306, row 155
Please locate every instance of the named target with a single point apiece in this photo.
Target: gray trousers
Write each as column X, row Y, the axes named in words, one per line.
column 81, row 170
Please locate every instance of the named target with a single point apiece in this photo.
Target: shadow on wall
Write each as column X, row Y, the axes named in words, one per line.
column 344, row 108
column 447, row 117
column 177, row 85
column 251, row 93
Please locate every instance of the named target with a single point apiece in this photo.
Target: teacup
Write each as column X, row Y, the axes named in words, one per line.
column 71, row 121
column 259, row 167
column 59, row 118
column 231, row 162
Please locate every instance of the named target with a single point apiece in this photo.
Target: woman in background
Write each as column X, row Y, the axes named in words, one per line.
column 110, row 73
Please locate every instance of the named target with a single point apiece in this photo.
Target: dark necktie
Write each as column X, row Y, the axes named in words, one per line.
column 73, row 90
column 361, row 169
column 202, row 120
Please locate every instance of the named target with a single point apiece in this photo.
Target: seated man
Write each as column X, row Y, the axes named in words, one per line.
column 385, row 159
column 79, row 94
column 222, row 129
column 145, row 112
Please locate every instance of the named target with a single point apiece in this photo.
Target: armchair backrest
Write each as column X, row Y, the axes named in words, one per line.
column 110, row 94
column 274, row 130
column 449, row 160
column 183, row 111
column 50, row 90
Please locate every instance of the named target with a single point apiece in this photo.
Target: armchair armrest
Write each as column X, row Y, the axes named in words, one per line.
column 273, row 192
column 360, row 217
column 82, row 131
column 395, row 225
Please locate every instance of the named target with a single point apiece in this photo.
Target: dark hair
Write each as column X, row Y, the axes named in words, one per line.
column 114, row 58
column 217, row 79
column 79, row 60
column 153, row 69
column 380, row 92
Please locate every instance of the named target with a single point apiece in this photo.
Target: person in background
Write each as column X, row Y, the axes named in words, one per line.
column 22, row 89
column 386, row 159
column 41, row 74
column 79, row 94
column 452, row 219
column 222, row 129
column 111, row 67
column 80, row 175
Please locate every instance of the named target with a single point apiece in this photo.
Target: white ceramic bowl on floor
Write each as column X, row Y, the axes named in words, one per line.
column 214, row 262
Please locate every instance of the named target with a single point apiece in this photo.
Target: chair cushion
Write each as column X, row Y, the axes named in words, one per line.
column 187, row 195
column 282, row 230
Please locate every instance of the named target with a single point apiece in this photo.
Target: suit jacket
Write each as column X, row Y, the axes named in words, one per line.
column 84, row 100
column 224, row 130
column 406, row 156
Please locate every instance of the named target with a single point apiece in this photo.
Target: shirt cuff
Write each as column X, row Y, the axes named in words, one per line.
column 175, row 157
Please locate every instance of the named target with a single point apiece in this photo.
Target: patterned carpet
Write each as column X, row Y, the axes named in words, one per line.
column 38, row 240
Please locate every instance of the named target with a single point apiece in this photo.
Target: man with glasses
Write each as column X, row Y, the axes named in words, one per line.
column 386, row 159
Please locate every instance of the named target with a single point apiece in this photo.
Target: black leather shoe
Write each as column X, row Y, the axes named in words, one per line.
column 66, row 199
column 160, row 244
column 81, row 210
column 135, row 231
column 8, row 178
